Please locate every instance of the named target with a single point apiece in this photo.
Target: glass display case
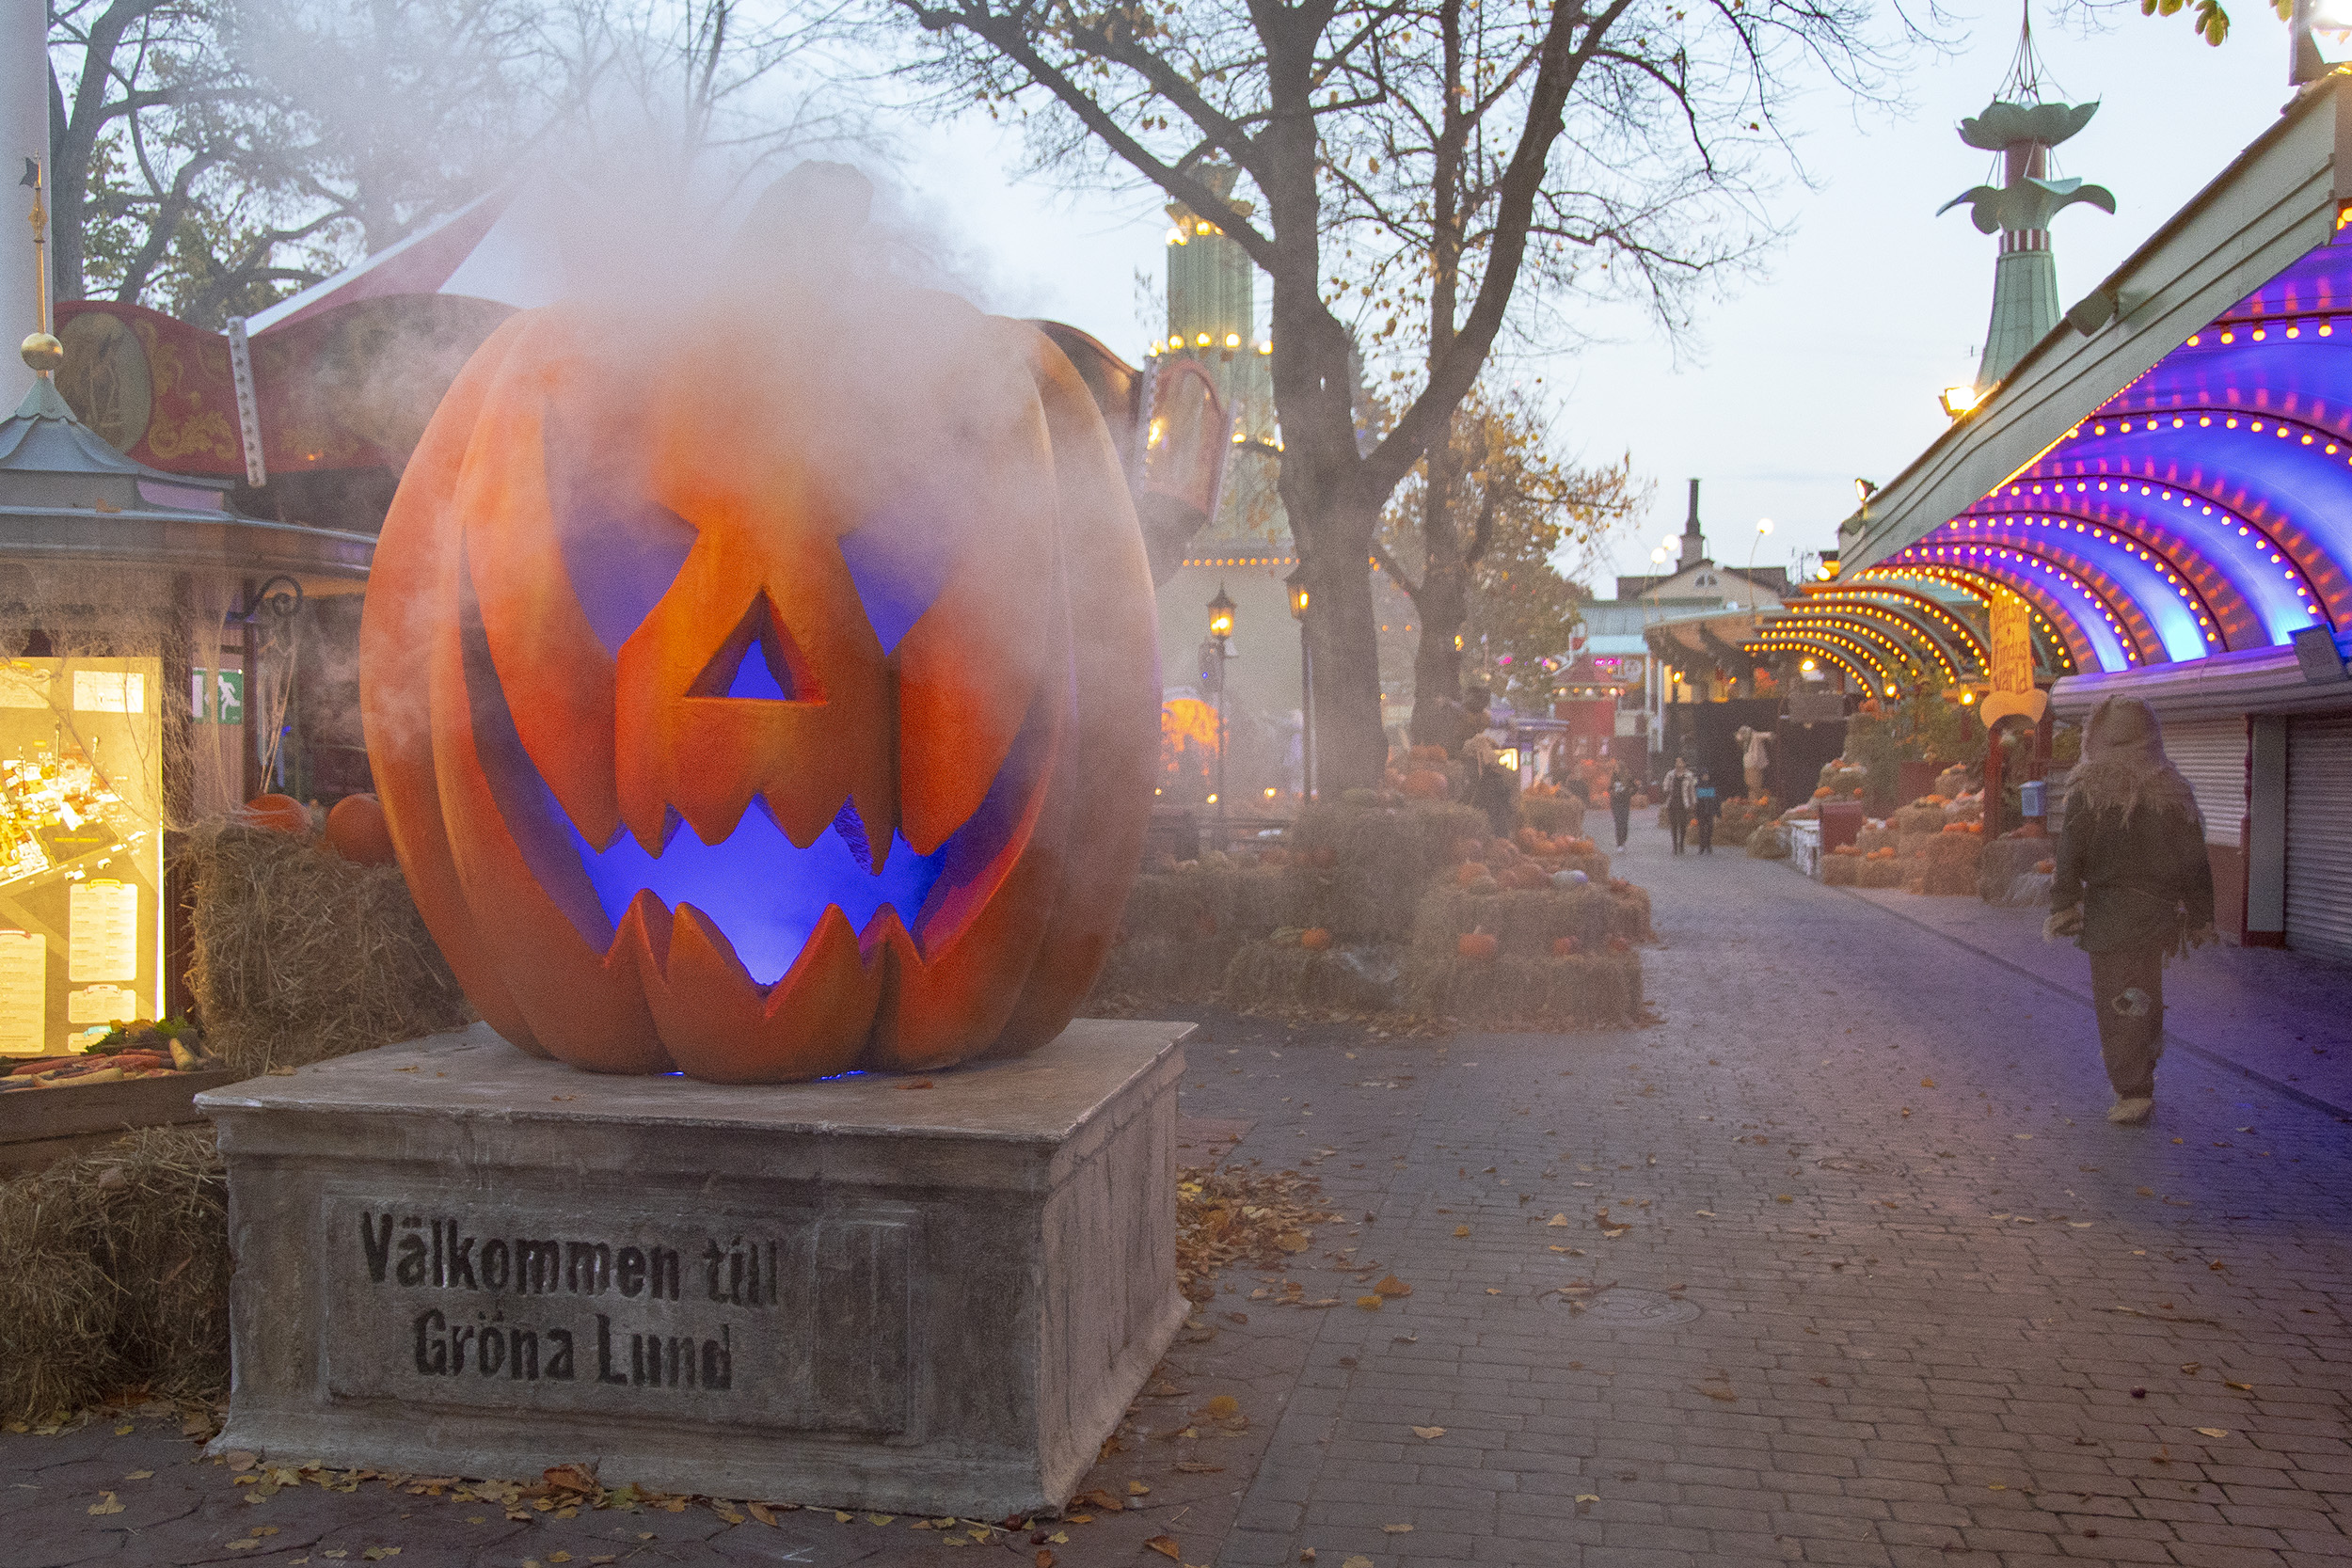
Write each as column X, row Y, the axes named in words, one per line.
column 81, row 850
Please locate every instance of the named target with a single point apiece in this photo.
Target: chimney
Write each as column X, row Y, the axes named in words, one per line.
column 1693, row 542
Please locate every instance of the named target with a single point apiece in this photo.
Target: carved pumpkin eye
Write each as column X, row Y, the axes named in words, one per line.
column 714, row 732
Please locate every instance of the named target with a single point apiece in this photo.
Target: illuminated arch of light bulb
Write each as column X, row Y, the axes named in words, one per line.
column 2132, row 642
column 1900, row 671
column 1852, row 671
column 1911, row 599
column 1869, row 616
column 2196, row 587
column 1830, row 639
column 2055, row 637
column 2070, row 646
column 1848, row 654
column 1860, row 619
column 2209, row 572
column 2118, row 604
column 2302, row 560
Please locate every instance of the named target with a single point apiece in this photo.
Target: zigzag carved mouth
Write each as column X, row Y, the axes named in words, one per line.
column 765, row 894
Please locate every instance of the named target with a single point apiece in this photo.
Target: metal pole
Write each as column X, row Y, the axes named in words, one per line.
column 249, row 658
column 1220, row 741
column 1306, row 714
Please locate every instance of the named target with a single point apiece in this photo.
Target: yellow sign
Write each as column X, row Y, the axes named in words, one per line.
column 2011, row 673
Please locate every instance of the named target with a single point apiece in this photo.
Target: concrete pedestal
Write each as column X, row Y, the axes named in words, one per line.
column 454, row 1259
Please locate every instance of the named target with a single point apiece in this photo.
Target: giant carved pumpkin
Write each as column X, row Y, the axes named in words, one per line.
column 773, row 694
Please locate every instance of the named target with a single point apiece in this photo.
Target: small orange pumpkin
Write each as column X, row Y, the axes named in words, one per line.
column 1479, row 945
column 357, row 830
column 279, row 813
column 1564, row 947
column 1427, row 784
column 1315, row 940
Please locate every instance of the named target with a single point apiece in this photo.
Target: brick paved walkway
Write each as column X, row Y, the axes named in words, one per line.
column 1847, row 1268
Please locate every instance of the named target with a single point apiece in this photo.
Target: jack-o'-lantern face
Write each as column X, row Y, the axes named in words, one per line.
column 725, row 698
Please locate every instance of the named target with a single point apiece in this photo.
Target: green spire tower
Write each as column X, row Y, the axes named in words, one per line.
column 1212, row 318
column 2023, row 129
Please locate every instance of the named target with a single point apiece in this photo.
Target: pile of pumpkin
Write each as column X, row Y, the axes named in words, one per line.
column 1548, row 953
column 1529, row 860
column 354, row 827
column 1364, row 909
column 1427, row 774
column 1852, row 866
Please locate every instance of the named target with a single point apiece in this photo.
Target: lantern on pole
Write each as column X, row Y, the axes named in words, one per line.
column 1297, row 584
column 1221, row 633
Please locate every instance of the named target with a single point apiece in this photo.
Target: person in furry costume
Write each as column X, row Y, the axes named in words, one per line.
column 2133, row 887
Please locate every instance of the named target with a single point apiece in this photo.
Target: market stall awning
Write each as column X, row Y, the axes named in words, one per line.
column 2168, row 476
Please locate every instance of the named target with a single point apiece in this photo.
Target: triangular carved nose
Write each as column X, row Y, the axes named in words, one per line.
column 759, row 662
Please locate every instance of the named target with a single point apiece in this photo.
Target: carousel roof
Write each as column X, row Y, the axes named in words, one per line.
column 2167, row 476
column 65, row 495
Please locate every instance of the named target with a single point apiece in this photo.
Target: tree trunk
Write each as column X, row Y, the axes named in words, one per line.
column 1332, row 519
column 1443, row 603
column 1351, row 746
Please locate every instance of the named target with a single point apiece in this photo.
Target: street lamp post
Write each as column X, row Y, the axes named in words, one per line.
column 1221, row 633
column 1296, row 584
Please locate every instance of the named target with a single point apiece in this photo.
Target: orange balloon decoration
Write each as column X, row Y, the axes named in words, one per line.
column 771, row 693
column 356, row 830
column 279, row 813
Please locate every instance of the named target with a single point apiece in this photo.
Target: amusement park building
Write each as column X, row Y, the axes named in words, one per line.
column 2164, row 479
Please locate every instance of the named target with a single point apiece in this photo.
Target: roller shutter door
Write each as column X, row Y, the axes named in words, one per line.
column 2320, row 834
column 2211, row 754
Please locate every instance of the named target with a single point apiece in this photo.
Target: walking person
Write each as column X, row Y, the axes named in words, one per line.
column 1709, row 808
column 2132, row 886
column 1621, row 802
column 1681, row 799
column 1493, row 787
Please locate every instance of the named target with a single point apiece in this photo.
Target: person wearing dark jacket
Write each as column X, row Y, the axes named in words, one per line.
column 1709, row 808
column 1621, row 803
column 2132, row 886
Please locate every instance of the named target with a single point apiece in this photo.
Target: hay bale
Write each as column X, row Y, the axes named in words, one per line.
column 301, row 955
column 1946, row 850
column 57, row 1307
column 1276, row 976
column 1357, row 869
column 1874, row 837
column 2004, row 861
column 1842, row 870
column 1165, row 969
column 118, row 1275
column 1202, row 900
column 1910, row 846
column 1769, row 842
column 1916, row 820
column 1553, row 815
column 1527, row 921
column 1600, row 991
column 2029, row 890
column 1947, row 881
column 1629, row 913
column 1881, row 874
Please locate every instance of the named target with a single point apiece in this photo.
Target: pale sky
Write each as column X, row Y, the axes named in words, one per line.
column 1825, row 369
